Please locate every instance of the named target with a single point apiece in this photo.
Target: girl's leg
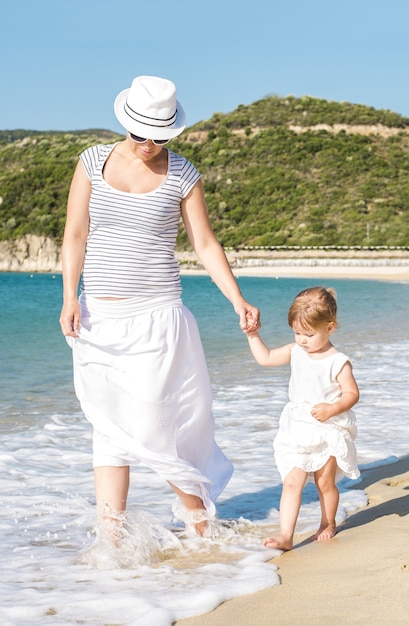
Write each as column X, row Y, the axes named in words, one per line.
column 193, row 504
column 111, row 489
column 289, row 508
column 329, row 498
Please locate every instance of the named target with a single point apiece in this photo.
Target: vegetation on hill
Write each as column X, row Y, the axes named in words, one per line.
column 267, row 184
column 305, row 111
column 35, row 174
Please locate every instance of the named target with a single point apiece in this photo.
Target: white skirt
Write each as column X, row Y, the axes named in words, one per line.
column 142, row 381
column 303, row 442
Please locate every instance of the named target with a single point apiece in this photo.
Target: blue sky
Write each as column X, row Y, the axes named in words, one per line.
column 64, row 61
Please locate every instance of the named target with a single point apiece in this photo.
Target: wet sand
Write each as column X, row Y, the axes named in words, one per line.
column 360, row 577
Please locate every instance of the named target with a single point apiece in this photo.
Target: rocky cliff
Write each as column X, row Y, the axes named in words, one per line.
column 31, row 253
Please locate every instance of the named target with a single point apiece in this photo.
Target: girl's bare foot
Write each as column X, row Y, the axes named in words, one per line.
column 325, row 532
column 280, row 543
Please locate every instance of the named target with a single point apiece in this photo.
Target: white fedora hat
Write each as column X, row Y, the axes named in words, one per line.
column 149, row 108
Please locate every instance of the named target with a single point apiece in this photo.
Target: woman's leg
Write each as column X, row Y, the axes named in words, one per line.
column 194, row 504
column 329, row 498
column 111, row 490
column 289, row 508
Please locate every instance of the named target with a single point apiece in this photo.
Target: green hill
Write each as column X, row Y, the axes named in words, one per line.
column 279, row 172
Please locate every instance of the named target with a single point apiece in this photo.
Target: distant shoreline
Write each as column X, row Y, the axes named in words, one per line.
column 323, row 271
column 311, row 263
column 35, row 254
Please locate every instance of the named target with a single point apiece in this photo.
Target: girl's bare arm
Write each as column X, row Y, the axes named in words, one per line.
column 349, row 397
column 266, row 356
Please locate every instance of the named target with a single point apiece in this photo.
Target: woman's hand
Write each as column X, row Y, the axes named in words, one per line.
column 249, row 316
column 70, row 319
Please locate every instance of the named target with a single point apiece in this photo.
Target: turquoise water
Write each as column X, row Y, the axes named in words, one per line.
column 46, row 501
column 36, row 365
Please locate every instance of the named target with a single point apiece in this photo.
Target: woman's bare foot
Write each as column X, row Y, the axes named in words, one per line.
column 280, row 543
column 111, row 526
column 201, row 527
column 325, row 532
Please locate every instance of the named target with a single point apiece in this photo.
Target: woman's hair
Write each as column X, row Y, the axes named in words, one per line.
column 313, row 308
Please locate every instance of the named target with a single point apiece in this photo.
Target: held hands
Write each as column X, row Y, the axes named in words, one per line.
column 322, row 412
column 70, row 319
column 249, row 317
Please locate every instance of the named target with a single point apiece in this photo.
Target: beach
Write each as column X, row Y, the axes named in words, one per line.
column 51, row 576
column 33, row 253
column 358, row 272
column 362, row 575
column 361, row 264
column 359, row 577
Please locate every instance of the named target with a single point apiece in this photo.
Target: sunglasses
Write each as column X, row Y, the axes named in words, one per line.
column 157, row 142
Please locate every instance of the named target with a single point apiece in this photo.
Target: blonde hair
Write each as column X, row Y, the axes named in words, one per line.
column 313, row 308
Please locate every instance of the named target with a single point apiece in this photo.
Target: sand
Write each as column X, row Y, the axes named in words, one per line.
column 320, row 272
column 384, row 264
column 357, row 272
column 359, row 577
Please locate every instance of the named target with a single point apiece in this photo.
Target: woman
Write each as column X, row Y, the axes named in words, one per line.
column 139, row 369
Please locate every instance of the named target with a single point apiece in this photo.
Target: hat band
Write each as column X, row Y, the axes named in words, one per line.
column 149, row 121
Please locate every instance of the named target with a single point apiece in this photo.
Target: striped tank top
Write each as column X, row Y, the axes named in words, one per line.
column 131, row 241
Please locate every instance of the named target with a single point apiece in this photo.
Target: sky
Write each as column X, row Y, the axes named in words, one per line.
column 64, row 61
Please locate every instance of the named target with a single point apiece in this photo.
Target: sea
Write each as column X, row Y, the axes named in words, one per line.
column 55, row 569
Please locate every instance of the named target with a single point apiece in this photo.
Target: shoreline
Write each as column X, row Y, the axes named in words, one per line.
column 390, row 265
column 40, row 254
column 361, row 576
column 357, row 272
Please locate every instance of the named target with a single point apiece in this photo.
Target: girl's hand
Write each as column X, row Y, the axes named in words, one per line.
column 253, row 333
column 322, row 412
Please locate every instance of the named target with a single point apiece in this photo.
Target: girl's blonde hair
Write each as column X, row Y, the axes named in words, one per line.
column 313, row 308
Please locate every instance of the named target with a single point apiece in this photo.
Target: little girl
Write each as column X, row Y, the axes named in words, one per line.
column 317, row 427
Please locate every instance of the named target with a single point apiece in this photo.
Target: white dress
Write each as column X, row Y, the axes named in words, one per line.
column 139, row 368
column 301, row 440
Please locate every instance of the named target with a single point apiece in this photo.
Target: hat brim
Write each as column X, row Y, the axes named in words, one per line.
column 144, row 130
